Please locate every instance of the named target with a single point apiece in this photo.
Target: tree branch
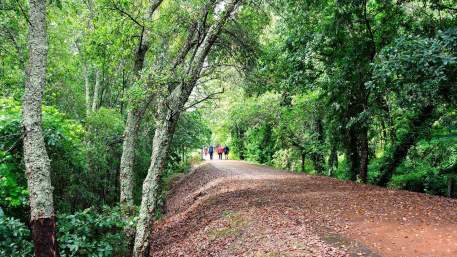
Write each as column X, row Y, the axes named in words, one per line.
column 123, row 12
column 210, row 96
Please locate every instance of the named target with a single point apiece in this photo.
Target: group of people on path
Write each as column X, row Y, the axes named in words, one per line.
column 219, row 149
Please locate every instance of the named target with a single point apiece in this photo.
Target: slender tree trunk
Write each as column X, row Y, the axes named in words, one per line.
column 364, row 158
column 168, row 114
column 400, row 150
column 126, row 175
column 353, row 155
column 36, row 159
column 332, row 161
column 87, row 88
column 162, row 138
column 450, row 185
column 127, row 158
column 134, row 117
column 97, row 91
column 318, row 156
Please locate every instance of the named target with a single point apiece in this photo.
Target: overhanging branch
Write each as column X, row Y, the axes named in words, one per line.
column 208, row 97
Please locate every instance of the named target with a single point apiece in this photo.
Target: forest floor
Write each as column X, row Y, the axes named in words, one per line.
column 231, row 208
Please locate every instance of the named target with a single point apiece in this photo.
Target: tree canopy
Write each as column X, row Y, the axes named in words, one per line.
column 362, row 90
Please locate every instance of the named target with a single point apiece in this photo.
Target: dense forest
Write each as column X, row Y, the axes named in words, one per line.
column 104, row 102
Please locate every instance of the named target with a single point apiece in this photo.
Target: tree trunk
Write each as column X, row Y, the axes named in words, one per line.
column 420, row 123
column 352, row 154
column 134, row 117
column 127, row 159
column 87, row 88
column 169, row 111
column 318, row 156
column 364, row 158
column 162, row 138
column 97, row 87
column 450, row 185
column 332, row 161
column 36, row 159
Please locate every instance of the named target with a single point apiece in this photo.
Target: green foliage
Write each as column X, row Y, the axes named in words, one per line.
column 104, row 148
column 351, row 79
column 419, row 178
column 92, row 233
column 12, row 195
column 192, row 133
column 418, row 69
column 15, row 238
column 64, row 146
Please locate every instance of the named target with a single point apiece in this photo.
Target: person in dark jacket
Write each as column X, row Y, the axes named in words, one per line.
column 211, row 152
column 226, row 152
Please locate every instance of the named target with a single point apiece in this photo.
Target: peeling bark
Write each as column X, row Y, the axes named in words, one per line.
column 37, row 163
column 44, row 237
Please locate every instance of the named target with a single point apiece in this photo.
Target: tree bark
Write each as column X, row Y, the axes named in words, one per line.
column 169, row 111
column 37, row 163
column 127, row 159
column 364, row 155
column 450, row 185
column 318, row 156
column 332, row 161
column 165, row 127
column 353, row 155
column 421, row 122
column 134, row 117
column 87, row 88
column 97, row 89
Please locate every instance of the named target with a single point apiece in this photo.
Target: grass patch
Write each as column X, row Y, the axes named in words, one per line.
column 234, row 223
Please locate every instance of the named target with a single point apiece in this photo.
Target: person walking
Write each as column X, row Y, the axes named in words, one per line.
column 205, row 151
column 226, row 152
column 211, row 151
column 220, row 151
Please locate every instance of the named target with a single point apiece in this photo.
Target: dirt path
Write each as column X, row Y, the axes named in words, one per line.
column 231, row 208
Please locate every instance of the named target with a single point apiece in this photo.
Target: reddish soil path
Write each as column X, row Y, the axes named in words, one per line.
column 231, row 208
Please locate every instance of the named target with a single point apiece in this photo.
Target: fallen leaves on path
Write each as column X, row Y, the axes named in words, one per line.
column 230, row 208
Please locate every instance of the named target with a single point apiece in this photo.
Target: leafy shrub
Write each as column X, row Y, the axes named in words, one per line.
column 63, row 144
column 259, row 144
column 14, row 238
column 282, row 159
column 104, row 149
column 86, row 233
column 420, row 178
column 92, row 233
column 13, row 197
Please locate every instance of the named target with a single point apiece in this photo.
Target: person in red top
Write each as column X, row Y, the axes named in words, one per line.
column 220, row 151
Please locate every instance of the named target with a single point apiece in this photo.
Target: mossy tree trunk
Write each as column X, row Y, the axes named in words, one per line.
column 169, row 110
column 37, row 163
